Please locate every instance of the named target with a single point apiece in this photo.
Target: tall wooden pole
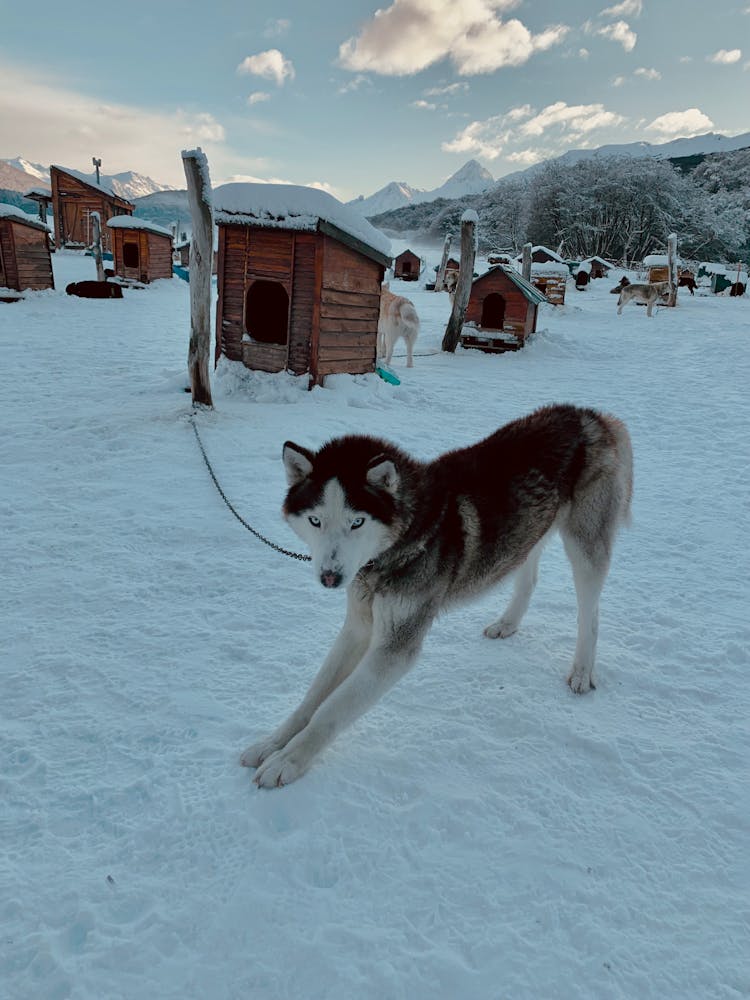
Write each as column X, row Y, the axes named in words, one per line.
column 526, row 262
column 440, row 279
column 96, row 232
column 201, row 259
column 465, row 277
column 672, row 262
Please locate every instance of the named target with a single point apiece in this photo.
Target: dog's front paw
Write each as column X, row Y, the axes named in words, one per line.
column 501, row 629
column 256, row 753
column 282, row 767
column 580, row 681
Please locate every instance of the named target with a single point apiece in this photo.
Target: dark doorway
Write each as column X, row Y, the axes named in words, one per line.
column 406, row 267
column 267, row 312
column 130, row 256
column 493, row 311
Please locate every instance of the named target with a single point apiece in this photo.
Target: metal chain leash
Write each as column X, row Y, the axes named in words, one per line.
column 243, row 522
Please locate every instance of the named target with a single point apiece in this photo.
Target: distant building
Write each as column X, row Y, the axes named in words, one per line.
column 407, row 266
column 502, row 311
column 25, row 260
column 74, row 197
column 142, row 250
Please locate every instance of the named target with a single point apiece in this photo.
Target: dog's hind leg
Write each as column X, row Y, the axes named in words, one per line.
column 525, row 582
column 348, row 649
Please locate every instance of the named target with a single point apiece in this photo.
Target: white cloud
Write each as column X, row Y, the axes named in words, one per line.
column 628, row 8
column 583, row 53
column 490, row 137
column 726, row 56
column 527, row 157
column 355, row 83
column 686, row 59
column 681, row 123
column 647, row 74
column 271, row 65
column 449, row 90
column 252, row 179
column 423, row 105
column 410, row 35
column 45, row 120
column 276, row 27
column 257, row 97
column 618, row 81
column 620, row 32
column 577, row 119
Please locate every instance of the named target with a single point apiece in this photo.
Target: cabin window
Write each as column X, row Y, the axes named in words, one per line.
column 493, row 311
column 130, row 255
column 267, row 312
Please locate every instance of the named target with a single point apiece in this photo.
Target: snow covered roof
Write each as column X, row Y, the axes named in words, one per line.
column 550, row 267
column 16, row 214
column 713, row 267
column 130, row 222
column 39, row 192
column 656, row 260
column 291, row 206
column 552, row 254
column 598, row 260
column 89, row 179
column 529, row 291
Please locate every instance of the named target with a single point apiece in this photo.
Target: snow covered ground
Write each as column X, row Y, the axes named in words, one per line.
column 482, row 833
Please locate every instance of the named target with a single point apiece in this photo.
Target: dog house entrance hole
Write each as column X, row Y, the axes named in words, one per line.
column 406, row 267
column 130, row 256
column 267, row 312
column 493, row 311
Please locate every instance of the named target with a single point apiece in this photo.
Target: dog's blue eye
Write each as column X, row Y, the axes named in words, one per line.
column 314, row 521
column 357, row 523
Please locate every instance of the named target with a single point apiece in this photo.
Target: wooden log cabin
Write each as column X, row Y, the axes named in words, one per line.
column 25, row 260
column 142, row 250
column 407, row 266
column 74, row 197
column 502, row 311
column 299, row 281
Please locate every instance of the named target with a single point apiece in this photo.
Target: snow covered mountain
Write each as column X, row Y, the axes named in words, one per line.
column 127, row 184
column 471, row 178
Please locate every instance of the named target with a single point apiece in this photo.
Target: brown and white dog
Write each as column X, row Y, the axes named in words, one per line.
column 398, row 318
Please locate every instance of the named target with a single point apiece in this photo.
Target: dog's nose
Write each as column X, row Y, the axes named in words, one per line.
column 330, row 578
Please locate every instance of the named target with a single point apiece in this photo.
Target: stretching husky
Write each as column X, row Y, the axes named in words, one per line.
column 408, row 538
column 650, row 294
column 398, row 318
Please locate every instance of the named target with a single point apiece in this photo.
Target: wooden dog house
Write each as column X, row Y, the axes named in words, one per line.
column 657, row 265
column 407, row 266
column 142, row 250
column 599, row 267
column 74, row 197
column 551, row 280
column 25, row 260
column 542, row 255
column 502, row 311
column 299, row 280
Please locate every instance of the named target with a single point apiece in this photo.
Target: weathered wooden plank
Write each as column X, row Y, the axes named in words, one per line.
column 338, row 311
column 347, row 325
column 350, row 367
column 345, row 298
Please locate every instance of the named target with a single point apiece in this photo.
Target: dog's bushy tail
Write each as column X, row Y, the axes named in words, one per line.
column 624, row 453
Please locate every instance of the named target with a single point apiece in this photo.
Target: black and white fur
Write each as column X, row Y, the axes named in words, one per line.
column 408, row 538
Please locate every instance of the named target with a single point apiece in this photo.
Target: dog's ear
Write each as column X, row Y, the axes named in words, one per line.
column 383, row 475
column 298, row 462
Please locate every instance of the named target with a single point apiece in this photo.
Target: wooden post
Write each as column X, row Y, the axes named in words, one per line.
column 526, row 262
column 96, row 232
column 465, row 277
column 440, row 278
column 201, row 259
column 672, row 262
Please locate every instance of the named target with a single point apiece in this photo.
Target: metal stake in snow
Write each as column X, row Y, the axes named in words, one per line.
column 465, row 277
column 201, row 258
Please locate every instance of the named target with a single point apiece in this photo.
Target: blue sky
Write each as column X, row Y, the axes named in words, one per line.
column 351, row 96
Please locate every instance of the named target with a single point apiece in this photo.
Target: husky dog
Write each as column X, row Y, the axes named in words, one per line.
column 408, row 538
column 649, row 294
column 398, row 318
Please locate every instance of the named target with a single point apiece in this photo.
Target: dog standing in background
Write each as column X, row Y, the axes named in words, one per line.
column 409, row 538
column 649, row 294
column 398, row 318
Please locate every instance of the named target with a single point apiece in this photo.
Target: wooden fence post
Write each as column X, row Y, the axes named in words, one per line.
column 440, row 278
column 672, row 262
column 96, row 232
column 465, row 278
column 201, row 259
column 526, row 262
